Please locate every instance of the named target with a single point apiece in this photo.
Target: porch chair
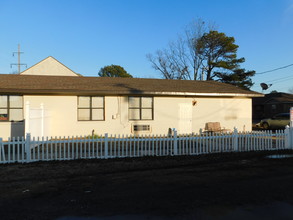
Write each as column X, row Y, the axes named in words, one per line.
column 215, row 127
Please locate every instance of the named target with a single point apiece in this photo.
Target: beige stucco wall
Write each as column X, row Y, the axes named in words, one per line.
column 230, row 112
column 185, row 114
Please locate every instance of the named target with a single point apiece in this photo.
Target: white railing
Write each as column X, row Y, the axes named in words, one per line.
column 119, row 146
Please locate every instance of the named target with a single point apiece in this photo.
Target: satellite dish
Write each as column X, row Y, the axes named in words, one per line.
column 265, row 86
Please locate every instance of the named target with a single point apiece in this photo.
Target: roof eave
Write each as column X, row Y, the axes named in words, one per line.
column 94, row 92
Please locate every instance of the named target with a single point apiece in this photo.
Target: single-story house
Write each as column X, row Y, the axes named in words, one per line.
column 271, row 104
column 76, row 105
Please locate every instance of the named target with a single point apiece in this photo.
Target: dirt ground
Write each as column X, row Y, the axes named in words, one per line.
column 159, row 186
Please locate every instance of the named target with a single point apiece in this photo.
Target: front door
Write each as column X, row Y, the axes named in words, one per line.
column 185, row 118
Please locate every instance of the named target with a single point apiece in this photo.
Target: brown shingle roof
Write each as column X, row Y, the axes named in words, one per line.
column 28, row 84
column 274, row 98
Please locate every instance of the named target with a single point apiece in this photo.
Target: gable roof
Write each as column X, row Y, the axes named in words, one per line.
column 48, row 67
column 274, row 98
column 68, row 85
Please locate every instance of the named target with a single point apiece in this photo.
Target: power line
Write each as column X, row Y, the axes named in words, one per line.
column 281, row 81
column 274, row 80
column 268, row 71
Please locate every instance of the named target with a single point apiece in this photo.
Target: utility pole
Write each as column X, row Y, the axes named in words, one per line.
column 18, row 63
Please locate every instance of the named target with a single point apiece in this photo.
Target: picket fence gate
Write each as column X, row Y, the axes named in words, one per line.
column 28, row 149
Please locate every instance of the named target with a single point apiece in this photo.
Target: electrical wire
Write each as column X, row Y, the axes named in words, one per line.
column 282, row 79
column 268, row 71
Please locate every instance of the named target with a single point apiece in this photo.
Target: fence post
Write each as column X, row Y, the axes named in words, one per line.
column 291, row 137
column 175, row 144
column 2, row 151
column 287, row 137
column 106, row 146
column 28, row 147
column 235, row 139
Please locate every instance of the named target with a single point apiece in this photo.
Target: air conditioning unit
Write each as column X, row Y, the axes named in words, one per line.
column 136, row 128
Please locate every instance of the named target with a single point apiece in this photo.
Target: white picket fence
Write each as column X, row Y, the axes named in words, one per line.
column 27, row 149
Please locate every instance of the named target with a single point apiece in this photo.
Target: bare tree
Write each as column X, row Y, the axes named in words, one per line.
column 194, row 32
column 291, row 90
column 181, row 59
column 172, row 62
column 202, row 52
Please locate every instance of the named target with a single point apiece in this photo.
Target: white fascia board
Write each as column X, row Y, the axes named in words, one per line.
column 206, row 94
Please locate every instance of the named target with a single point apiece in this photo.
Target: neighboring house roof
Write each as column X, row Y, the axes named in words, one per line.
column 274, row 98
column 49, row 67
column 67, row 85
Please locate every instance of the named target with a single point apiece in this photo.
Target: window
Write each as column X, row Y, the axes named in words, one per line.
column 90, row 108
column 11, row 108
column 140, row 108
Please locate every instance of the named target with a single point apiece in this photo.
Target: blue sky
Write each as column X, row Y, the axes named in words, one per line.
column 86, row 35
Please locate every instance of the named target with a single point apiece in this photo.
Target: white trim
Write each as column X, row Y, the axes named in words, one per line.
column 205, row 94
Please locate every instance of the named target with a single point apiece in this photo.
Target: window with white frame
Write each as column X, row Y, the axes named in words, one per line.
column 140, row 108
column 91, row 108
column 11, row 108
